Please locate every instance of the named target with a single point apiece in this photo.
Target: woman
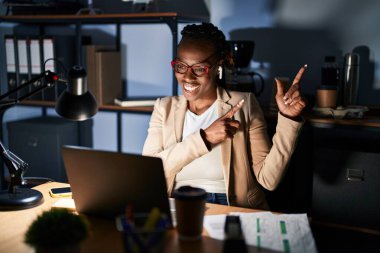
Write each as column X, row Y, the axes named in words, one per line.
column 216, row 139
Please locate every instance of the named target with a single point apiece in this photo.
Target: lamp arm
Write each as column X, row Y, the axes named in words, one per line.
column 50, row 78
column 16, row 167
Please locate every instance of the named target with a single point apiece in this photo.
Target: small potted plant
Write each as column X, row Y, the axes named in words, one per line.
column 57, row 231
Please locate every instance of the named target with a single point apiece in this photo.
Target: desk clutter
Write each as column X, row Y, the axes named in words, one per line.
column 337, row 95
column 268, row 231
column 143, row 232
column 340, row 112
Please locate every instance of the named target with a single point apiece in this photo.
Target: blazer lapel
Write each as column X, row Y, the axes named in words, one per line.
column 179, row 117
column 226, row 145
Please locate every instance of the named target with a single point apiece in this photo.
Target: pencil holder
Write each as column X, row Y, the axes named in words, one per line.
column 142, row 235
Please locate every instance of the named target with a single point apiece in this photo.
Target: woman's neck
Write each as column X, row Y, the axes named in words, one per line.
column 200, row 106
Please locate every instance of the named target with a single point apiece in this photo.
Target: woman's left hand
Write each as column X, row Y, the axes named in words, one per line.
column 292, row 102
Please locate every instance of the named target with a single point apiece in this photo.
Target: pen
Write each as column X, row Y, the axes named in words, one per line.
column 129, row 230
column 129, row 214
column 158, row 233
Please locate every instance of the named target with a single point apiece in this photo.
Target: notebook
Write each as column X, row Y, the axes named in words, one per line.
column 103, row 183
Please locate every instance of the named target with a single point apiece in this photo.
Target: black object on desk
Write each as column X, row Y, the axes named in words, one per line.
column 234, row 238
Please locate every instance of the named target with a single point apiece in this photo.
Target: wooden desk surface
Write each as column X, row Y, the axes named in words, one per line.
column 103, row 234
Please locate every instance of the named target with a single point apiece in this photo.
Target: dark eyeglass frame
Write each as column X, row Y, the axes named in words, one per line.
column 207, row 68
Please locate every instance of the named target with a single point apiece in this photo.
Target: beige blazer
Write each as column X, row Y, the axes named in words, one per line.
column 249, row 159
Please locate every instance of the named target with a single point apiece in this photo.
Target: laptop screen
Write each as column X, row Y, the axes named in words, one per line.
column 104, row 183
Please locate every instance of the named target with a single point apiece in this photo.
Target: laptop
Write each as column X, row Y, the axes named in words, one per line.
column 103, row 183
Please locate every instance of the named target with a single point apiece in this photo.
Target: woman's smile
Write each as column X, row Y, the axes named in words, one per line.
column 190, row 88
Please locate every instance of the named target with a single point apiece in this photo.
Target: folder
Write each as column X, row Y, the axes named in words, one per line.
column 103, row 73
column 48, row 53
column 35, row 57
column 23, row 64
column 11, row 64
column 108, row 66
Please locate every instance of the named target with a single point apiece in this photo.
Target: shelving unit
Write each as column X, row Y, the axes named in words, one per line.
column 172, row 19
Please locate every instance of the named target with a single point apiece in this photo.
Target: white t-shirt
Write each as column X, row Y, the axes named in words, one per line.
column 206, row 171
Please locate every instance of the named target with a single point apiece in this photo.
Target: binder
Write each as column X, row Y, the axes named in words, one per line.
column 23, row 64
column 103, row 65
column 11, row 63
column 35, row 57
column 48, row 53
column 108, row 67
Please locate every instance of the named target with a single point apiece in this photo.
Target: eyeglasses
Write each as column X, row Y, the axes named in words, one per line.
column 197, row 70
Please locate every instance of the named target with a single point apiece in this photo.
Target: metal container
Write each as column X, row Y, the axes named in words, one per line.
column 351, row 79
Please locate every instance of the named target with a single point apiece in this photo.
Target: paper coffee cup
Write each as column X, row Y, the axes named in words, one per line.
column 190, row 205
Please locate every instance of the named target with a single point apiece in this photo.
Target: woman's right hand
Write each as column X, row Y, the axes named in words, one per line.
column 224, row 127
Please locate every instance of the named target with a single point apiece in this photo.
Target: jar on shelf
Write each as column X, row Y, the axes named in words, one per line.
column 330, row 72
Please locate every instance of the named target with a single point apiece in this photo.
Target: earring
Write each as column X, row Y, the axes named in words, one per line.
column 220, row 72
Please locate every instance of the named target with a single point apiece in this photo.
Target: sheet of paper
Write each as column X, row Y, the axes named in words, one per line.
column 65, row 203
column 279, row 232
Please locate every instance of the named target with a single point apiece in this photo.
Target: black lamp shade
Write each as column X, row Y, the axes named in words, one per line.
column 76, row 103
column 76, row 107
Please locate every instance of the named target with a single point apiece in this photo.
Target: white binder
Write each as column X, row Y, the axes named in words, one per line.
column 23, row 64
column 35, row 56
column 11, row 63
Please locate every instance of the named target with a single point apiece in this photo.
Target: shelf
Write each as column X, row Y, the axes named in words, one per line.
column 371, row 119
column 115, row 108
column 367, row 121
column 103, row 18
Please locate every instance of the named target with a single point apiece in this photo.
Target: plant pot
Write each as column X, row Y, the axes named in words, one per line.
column 67, row 249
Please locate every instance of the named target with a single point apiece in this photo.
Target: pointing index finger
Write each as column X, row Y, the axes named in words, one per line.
column 299, row 75
column 296, row 82
column 233, row 110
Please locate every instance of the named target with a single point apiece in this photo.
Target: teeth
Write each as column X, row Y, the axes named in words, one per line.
column 190, row 88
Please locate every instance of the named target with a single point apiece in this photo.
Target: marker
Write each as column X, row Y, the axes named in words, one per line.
column 158, row 233
column 152, row 219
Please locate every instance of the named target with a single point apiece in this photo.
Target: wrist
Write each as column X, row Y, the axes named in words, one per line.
column 203, row 135
column 297, row 118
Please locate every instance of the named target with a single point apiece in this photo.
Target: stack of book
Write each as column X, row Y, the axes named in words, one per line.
column 135, row 101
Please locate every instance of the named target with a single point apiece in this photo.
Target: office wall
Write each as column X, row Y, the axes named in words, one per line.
column 288, row 33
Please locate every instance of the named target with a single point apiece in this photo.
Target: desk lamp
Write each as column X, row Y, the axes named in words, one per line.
column 75, row 103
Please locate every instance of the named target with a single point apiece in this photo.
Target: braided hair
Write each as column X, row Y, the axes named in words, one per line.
column 209, row 33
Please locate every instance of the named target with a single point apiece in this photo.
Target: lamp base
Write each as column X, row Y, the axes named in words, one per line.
column 22, row 199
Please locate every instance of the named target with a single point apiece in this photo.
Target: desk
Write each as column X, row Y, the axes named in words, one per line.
column 103, row 234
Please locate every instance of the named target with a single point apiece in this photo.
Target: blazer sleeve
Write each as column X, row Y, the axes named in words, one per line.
column 270, row 160
column 161, row 142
